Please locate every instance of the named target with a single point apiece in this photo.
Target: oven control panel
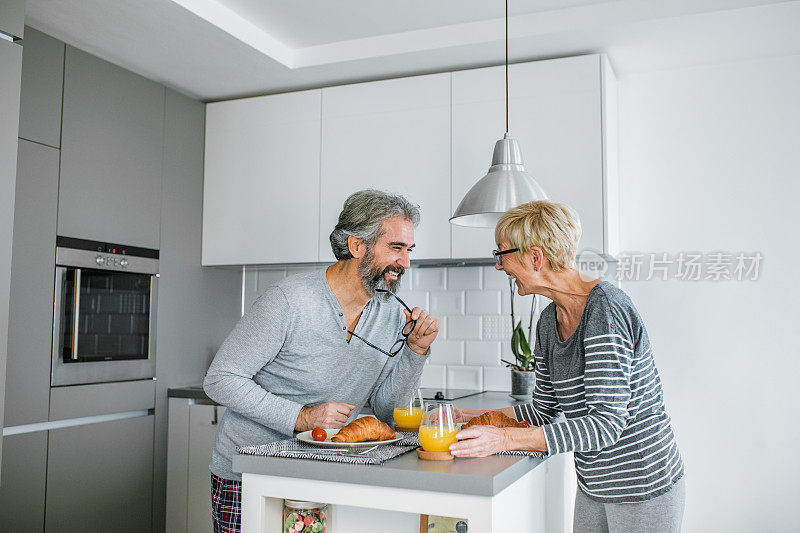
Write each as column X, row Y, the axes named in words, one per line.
column 111, row 261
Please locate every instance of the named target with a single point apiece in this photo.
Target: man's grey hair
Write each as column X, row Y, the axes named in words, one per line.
column 362, row 215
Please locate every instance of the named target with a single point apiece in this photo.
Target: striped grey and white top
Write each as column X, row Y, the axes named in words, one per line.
column 603, row 378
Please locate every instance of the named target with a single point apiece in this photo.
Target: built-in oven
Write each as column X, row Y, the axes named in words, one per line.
column 104, row 312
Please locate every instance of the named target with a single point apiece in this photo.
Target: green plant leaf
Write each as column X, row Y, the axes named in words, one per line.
column 515, row 341
column 523, row 342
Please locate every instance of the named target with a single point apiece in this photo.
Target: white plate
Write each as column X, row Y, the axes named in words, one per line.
column 305, row 436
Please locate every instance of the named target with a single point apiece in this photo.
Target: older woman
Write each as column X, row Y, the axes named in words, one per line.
column 594, row 364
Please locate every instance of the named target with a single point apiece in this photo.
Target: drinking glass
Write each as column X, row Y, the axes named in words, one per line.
column 438, row 429
column 408, row 410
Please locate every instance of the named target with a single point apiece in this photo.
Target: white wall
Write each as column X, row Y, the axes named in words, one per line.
column 709, row 160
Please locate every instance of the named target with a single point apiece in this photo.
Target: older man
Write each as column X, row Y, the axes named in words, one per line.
column 317, row 347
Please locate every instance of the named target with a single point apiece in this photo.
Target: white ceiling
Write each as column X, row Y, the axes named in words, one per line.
column 219, row 49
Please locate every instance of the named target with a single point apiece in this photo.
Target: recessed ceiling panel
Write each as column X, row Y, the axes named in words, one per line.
column 300, row 23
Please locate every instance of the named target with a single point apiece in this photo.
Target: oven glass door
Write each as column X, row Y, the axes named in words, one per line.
column 105, row 316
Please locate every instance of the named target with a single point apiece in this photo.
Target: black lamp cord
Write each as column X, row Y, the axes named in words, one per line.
column 506, row 66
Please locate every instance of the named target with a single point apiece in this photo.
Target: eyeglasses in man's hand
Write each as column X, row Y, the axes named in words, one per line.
column 404, row 333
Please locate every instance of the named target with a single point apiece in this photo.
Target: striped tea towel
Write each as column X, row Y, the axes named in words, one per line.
column 412, row 439
column 296, row 449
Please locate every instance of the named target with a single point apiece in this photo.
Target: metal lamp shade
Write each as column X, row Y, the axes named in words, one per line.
column 506, row 185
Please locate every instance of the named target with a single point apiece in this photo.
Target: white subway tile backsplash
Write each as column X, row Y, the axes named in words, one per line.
column 464, row 278
column 447, row 303
column 495, row 279
column 249, row 298
column 291, row 271
column 497, row 378
column 463, row 327
column 522, row 304
column 434, row 376
column 496, row 328
column 472, row 305
column 482, row 353
column 447, row 352
column 414, row 298
column 250, row 280
column 483, row 302
column 464, row 377
column 268, row 278
column 406, row 280
column 428, row 279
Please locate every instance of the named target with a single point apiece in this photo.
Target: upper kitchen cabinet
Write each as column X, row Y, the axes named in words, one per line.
column 42, row 84
column 12, row 17
column 111, row 153
column 261, row 192
column 392, row 135
column 561, row 113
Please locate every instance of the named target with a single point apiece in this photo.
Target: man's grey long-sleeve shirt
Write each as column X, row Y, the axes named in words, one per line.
column 291, row 350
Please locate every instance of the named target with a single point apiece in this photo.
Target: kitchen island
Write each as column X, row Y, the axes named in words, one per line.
column 498, row 493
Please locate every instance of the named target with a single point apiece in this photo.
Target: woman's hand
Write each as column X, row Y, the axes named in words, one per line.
column 462, row 416
column 480, row 441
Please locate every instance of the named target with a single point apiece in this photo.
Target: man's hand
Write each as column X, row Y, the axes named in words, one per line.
column 325, row 415
column 424, row 332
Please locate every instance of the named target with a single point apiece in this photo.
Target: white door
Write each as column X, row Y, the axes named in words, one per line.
column 392, row 135
column 203, row 424
column 261, row 189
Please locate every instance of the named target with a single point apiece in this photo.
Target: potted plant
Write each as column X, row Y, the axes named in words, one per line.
column 522, row 371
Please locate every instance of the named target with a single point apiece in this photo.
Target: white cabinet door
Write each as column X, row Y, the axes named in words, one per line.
column 391, row 135
column 261, row 189
column 203, row 424
column 555, row 115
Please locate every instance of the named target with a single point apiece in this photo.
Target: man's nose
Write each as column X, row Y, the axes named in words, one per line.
column 498, row 266
column 404, row 260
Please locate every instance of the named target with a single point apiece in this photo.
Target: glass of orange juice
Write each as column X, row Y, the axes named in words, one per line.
column 408, row 411
column 438, row 429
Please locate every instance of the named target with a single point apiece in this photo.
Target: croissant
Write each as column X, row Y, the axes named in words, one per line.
column 493, row 418
column 364, row 429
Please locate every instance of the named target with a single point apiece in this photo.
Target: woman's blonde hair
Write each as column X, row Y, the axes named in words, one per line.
column 553, row 227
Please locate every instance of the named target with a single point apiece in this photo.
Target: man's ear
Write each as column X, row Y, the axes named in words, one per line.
column 356, row 246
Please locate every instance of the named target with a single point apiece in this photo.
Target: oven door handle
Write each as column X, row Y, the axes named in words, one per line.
column 75, row 310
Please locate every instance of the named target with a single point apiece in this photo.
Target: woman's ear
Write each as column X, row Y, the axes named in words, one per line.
column 536, row 256
column 356, row 247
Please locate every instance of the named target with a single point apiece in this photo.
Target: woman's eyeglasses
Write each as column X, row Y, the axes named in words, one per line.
column 498, row 255
column 404, row 333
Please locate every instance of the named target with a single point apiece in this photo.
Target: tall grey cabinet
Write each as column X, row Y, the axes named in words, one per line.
column 111, row 153
column 24, row 458
column 11, row 22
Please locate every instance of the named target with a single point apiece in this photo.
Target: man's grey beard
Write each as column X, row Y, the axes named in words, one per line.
column 373, row 277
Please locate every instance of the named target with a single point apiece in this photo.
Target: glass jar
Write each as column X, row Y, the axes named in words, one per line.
column 304, row 517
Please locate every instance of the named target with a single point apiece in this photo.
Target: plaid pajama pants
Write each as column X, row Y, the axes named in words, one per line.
column 226, row 505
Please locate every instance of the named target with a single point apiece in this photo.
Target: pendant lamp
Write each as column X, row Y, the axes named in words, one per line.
column 506, row 185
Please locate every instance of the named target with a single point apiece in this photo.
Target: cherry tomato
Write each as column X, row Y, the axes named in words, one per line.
column 318, row 434
column 525, row 424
